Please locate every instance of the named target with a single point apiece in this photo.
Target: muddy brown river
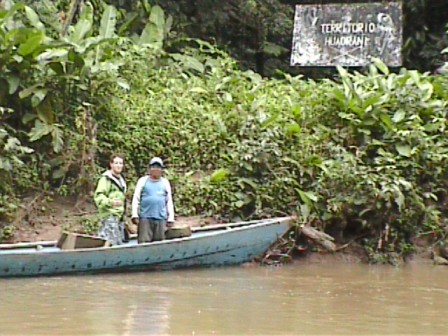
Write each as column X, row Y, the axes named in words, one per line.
column 298, row 299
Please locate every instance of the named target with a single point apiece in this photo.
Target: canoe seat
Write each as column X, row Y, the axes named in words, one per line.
column 180, row 231
column 72, row 241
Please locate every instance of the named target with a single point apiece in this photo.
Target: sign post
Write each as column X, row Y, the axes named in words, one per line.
column 347, row 34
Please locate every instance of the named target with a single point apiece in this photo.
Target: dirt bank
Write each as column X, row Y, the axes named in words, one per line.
column 44, row 219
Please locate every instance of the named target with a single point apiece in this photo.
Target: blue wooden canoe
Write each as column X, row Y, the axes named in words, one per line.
column 215, row 245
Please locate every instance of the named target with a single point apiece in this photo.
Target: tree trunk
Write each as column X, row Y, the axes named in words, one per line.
column 71, row 15
column 318, row 237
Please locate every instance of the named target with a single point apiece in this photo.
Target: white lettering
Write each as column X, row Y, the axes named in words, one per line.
column 347, row 41
column 348, row 28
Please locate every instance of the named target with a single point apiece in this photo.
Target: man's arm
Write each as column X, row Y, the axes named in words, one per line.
column 169, row 201
column 137, row 194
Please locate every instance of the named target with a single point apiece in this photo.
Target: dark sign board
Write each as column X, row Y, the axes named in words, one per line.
column 347, row 35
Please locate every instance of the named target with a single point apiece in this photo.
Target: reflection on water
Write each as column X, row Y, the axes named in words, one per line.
column 294, row 299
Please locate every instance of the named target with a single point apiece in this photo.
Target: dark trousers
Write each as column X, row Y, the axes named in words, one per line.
column 150, row 229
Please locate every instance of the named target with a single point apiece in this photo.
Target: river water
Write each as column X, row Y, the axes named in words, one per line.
column 298, row 299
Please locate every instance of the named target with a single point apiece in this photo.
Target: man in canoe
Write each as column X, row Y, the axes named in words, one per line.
column 152, row 204
column 110, row 200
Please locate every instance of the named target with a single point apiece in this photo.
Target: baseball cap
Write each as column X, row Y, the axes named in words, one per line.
column 156, row 161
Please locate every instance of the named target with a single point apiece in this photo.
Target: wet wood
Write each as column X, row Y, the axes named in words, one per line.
column 443, row 251
column 438, row 260
column 320, row 238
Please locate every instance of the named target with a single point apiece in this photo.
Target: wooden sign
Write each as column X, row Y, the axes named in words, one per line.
column 347, row 34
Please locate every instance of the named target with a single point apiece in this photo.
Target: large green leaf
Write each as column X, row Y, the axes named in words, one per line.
column 31, row 44
column 194, row 64
column 129, row 21
column 340, row 97
column 153, row 33
column 150, row 36
column 82, row 28
column 76, row 58
column 84, row 25
column 198, row 90
column 11, row 144
column 28, row 117
column 372, row 100
column 293, row 129
column 168, row 25
column 386, row 120
column 45, row 112
column 219, row 176
column 123, row 84
column 189, row 62
column 38, row 96
column 108, row 22
column 7, row 14
column 427, row 90
column 42, row 129
column 399, row 116
column 307, row 197
column 34, row 19
column 52, row 54
column 399, row 197
column 158, row 17
column 415, row 76
column 4, row 110
column 13, row 83
column 248, row 181
column 91, row 43
column 380, row 65
column 39, row 130
column 28, row 91
column 403, row 150
column 57, row 140
column 87, row 12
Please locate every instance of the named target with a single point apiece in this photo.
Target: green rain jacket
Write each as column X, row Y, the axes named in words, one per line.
column 110, row 187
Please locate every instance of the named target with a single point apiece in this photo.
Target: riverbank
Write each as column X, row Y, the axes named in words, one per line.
column 45, row 218
column 355, row 254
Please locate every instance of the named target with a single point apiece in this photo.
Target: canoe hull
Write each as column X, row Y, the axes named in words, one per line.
column 214, row 248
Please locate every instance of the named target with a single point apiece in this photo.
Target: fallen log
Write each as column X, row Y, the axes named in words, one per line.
column 320, row 238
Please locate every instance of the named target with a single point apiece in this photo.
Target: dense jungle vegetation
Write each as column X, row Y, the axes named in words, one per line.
column 362, row 155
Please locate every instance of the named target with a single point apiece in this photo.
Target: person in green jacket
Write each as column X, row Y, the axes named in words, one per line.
column 110, row 199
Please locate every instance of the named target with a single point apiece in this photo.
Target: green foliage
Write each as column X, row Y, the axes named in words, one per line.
column 44, row 80
column 90, row 224
column 156, row 29
column 256, row 33
column 12, row 153
column 366, row 154
column 424, row 34
column 392, row 126
column 6, row 232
